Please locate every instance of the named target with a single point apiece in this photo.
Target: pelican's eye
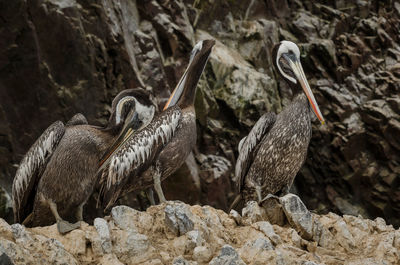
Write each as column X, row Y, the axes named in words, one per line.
column 284, row 64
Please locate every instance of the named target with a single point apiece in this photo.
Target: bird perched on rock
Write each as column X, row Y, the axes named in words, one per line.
column 58, row 173
column 155, row 152
column 276, row 147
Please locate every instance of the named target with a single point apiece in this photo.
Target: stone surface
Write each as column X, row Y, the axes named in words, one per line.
column 178, row 218
column 58, row 58
column 215, row 239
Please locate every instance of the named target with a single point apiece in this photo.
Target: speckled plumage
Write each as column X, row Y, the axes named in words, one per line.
column 167, row 157
column 276, row 147
column 122, row 173
column 280, row 153
column 58, row 174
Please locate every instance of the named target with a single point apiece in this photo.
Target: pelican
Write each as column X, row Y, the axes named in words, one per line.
column 152, row 154
column 276, row 147
column 58, row 173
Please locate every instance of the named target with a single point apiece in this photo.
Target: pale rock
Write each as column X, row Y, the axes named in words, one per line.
column 296, row 239
column 181, row 245
column 202, row 254
column 194, row 239
column 180, row 261
column 17, row 254
column 356, row 222
column 228, row 255
column 5, row 229
column 20, row 234
column 123, row 217
column 212, row 217
column 109, row 259
column 153, row 262
column 73, row 242
column 104, row 233
column 322, row 235
column 178, row 218
column 343, row 235
column 252, row 248
column 130, row 246
column 381, row 225
column 252, row 213
column 308, row 262
column 298, row 215
column 235, row 216
column 268, row 230
column 396, row 241
column 386, row 250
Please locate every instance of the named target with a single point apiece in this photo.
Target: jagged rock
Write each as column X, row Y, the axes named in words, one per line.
column 180, row 261
column 252, row 213
column 297, row 215
column 215, row 238
column 104, row 233
column 349, row 54
column 254, row 248
column 268, row 230
column 228, row 255
column 202, row 254
column 178, row 218
column 236, row 216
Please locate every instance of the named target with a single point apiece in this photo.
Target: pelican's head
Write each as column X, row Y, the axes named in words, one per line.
column 287, row 61
column 132, row 108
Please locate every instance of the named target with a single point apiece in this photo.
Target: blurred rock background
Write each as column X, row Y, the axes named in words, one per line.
column 60, row 57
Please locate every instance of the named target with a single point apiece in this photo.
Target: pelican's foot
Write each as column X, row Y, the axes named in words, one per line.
column 65, row 227
column 269, row 196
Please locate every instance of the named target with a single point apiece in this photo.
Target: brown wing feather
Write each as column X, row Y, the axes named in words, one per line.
column 248, row 146
column 31, row 168
column 135, row 155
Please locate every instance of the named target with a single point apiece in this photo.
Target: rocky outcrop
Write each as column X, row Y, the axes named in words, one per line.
column 176, row 233
column 60, row 57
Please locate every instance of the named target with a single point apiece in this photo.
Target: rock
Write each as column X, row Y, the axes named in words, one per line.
column 215, row 239
column 252, row 213
column 236, row 216
column 228, row 255
column 131, row 247
column 195, row 239
column 344, row 236
column 202, row 254
column 104, row 233
column 180, row 261
column 178, row 218
column 349, row 54
column 268, row 230
column 252, row 248
column 298, row 215
column 5, row 260
column 123, row 215
column 110, row 259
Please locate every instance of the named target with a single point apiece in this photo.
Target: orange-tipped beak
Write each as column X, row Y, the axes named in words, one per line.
column 301, row 77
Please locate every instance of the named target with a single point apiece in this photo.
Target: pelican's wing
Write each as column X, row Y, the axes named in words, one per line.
column 248, row 146
column 135, row 154
column 31, row 168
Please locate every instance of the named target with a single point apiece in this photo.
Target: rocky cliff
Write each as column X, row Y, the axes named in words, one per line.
column 176, row 233
column 59, row 57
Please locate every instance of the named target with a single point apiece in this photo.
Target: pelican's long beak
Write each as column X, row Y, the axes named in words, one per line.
column 198, row 60
column 128, row 129
column 176, row 94
column 301, row 77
